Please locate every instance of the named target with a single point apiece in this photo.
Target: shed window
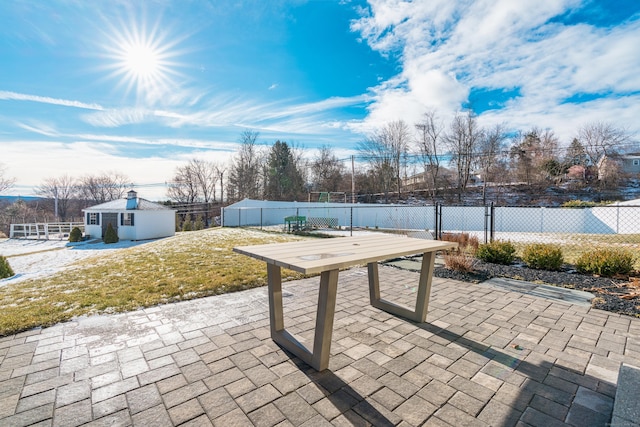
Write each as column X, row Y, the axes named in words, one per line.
column 127, row 219
column 93, row 218
column 636, row 162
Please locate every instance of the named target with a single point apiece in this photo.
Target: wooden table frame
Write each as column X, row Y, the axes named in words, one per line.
column 327, row 257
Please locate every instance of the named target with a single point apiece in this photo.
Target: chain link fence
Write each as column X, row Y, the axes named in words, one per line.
column 575, row 229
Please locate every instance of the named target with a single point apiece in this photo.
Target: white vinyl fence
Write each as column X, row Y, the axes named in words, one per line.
column 614, row 219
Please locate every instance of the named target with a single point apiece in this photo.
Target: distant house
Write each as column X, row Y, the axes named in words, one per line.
column 631, row 163
column 133, row 218
column 620, row 163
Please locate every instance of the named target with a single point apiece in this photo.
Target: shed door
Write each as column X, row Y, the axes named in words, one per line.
column 109, row 218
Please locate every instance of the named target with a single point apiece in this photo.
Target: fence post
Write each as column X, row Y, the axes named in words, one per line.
column 438, row 221
column 492, row 222
column 260, row 218
column 486, row 224
column 239, row 218
column 351, row 222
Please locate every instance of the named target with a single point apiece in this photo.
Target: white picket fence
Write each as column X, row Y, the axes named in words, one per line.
column 44, row 230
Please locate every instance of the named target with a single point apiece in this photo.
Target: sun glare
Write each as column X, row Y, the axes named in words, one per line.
column 141, row 59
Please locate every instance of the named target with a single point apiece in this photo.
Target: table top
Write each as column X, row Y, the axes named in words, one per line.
column 318, row 255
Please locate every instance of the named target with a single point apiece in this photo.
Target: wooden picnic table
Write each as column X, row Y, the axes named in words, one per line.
column 327, row 257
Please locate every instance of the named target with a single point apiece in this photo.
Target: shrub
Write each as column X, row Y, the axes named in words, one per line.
column 605, row 262
column 75, row 235
column 545, row 256
column 458, row 261
column 584, row 204
column 110, row 236
column 498, row 252
column 5, row 268
column 187, row 225
column 465, row 242
column 199, row 224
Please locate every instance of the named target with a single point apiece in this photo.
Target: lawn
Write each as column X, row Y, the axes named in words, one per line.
column 187, row 266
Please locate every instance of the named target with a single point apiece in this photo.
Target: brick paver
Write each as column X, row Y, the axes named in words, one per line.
column 485, row 356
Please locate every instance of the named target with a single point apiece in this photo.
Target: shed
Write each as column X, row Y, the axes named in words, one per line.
column 133, row 218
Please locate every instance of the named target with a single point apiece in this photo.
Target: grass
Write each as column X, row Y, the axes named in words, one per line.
column 186, row 266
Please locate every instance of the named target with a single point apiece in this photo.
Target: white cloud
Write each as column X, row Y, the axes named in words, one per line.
column 227, row 110
column 448, row 49
column 31, row 162
column 39, row 128
column 6, row 95
column 117, row 117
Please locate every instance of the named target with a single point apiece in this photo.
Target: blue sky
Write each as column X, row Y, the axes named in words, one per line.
column 142, row 87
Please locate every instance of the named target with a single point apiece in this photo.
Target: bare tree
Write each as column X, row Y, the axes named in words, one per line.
column 103, row 187
column 490, row 146
column 380, row 160
column 386, row 152
column 327, row 170
column 205, row 176
column 462, row 140
column 396, row 136
column 429, row 143
column 601, row 139
column 61, row 191
column 5, row 182
column 245, row 179
column 183, row 188
column 549, row 143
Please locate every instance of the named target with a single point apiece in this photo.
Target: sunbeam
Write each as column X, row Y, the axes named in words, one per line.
column 142, row 58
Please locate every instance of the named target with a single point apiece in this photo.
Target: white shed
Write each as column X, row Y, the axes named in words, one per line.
column 133, row 218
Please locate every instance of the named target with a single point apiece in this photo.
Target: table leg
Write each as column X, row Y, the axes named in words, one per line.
column 319, row 357
column 274, row 280
column 422, row 299
column 324, row 319
column 424, row 286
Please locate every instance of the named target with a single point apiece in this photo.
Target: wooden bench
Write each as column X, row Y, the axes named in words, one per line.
column 327, row 257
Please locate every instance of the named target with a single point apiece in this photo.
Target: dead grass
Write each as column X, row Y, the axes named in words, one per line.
column 186, row 266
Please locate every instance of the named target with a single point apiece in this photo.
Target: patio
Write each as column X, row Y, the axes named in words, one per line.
column 485, row 356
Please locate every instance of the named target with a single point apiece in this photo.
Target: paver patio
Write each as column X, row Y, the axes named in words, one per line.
column 485, row 356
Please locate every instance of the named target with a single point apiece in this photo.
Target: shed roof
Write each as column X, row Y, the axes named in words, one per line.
column 121, row 205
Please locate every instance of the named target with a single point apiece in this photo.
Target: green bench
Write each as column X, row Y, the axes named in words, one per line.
column 295, row 222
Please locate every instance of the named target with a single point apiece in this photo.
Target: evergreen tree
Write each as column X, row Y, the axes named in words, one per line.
column 187, row 225
column 75, row 235
column 199, row 224
column 284, row 179
column 110, row 236
column 5, row 268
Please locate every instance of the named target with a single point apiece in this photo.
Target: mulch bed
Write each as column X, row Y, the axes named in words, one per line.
column 618, row 295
